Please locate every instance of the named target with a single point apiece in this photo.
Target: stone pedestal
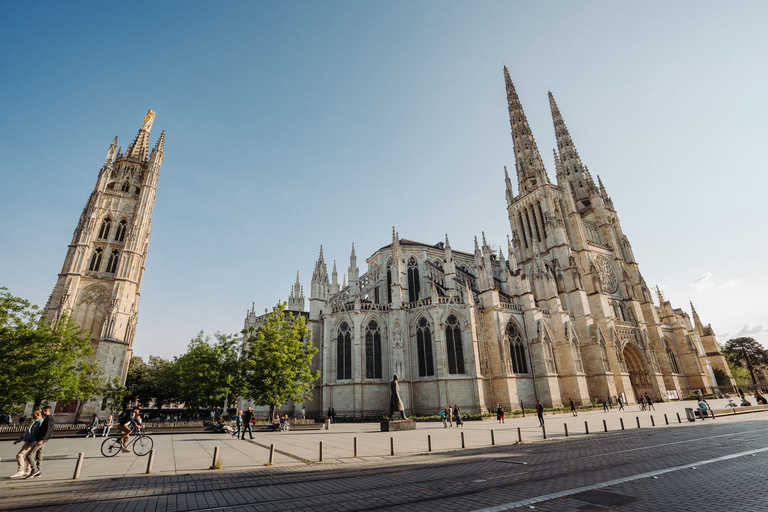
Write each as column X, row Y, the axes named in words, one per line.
column 393, row 425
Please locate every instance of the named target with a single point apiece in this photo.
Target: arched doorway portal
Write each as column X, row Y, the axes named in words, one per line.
column 638, row 371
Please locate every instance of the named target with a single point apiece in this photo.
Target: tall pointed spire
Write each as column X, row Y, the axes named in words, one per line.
column 160, row 144
column 140, row 145
column 571, row 166
column 528, row 162
column 111, row 154
column 696, row 320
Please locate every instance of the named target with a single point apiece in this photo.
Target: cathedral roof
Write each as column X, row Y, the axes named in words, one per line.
column 438, row 245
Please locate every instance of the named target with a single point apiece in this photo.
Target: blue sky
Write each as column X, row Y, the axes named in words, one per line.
column 295, row 124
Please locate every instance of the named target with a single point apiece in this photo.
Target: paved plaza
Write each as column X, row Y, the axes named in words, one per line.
column 649, row 468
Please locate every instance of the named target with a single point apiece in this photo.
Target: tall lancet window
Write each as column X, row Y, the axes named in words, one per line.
column 373, row 351
column 112, row 263
column 344, row 352
column 454, row 346
column 413, row 280
column 672, row 359
column 516, row 349
column 96, row 259
column 389, row 284
column 106, row 225
column 424, row 348
column 120, row 232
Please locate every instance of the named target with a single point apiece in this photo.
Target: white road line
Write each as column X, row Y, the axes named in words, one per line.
column 570, row 492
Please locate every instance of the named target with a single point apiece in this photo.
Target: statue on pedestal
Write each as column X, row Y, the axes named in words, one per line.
column 395, row 403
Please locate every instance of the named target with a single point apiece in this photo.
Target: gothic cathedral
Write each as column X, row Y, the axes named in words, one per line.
column 98, row 286
column 566, row 315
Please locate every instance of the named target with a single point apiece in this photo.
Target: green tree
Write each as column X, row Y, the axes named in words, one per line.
column 151, row 383
column 207, row 374
column 41, row 362
column 115, row 394
column 277, row 360
column 745, row 352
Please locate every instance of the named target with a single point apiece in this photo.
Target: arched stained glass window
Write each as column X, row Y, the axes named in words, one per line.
column 96, row 259
column 672, row 359
column 344, row 352
column 516, row 349
column 106, row 224
column 112, row 263
column 424, row 348
column 413, row 280
column 454, row 346
column 373, row 351
column 120, row 232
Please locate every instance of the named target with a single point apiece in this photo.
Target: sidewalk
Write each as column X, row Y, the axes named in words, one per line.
column 179, row 454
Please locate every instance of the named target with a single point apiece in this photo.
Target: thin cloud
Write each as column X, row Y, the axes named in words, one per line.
column 703, row 282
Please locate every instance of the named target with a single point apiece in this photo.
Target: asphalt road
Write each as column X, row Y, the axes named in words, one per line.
column 717, row 466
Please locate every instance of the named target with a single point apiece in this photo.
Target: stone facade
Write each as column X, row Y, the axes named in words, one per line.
column 99, row 282
column 567, row 314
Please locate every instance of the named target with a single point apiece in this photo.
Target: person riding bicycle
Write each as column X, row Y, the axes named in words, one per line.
column 125, row 424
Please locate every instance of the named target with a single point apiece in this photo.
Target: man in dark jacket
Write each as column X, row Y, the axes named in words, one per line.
column 44, row 433
column 247, row 417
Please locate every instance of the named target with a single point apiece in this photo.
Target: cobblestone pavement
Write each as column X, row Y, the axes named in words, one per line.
column 717, row 465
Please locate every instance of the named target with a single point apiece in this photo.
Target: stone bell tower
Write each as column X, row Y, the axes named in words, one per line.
column 98, row 286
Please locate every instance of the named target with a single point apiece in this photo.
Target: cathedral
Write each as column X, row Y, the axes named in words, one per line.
column 565, row 315
column 98, row 286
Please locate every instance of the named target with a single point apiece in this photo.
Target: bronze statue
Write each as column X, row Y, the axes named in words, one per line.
column 395, row 403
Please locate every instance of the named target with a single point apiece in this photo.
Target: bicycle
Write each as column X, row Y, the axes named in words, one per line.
column 142, row 445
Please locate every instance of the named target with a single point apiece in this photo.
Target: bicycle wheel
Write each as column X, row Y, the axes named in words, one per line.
column 111, row 447
column 142, row 445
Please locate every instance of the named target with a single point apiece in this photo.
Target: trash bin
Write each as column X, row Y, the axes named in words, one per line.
column 690, row 414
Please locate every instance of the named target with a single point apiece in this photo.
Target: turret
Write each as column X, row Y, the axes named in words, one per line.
column 320, row 285
column 296, row 296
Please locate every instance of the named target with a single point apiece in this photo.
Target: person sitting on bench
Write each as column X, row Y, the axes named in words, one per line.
column 703, row 408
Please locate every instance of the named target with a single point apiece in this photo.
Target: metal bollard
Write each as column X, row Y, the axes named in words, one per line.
column 519, row 436
column 653, row 423
column 586, row 427
column 493, row 440
column 638, row 421
column 321, row 451
column 150, row 461
column 462, row 440
column 680, row 421
column 78, row 466
column 544, row 431
column 666, row 420
column 271, row 454
column 327, row 424
column 215, row 456
column 565, row 425
column 622, row 423
column 605, row 426
column 429, row 443
column 391, row 445
column 355, row 447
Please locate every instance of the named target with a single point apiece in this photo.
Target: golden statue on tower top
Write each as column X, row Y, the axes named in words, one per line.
column 148, row 119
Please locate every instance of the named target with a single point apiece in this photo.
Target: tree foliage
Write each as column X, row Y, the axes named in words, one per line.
column 277, row 360
column 746, row 353
column 207, row 374
column 40, row 362
column 154, row 382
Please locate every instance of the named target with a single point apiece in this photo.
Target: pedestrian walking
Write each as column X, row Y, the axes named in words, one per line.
column 442, row 417
column 621, row 402
column 650, row 402
column 238, row 418
column 457, row 416
column 605, row 405
column 333, row 415
column 573, row 408
column 303, row 413
column 247, row 417
column 93, row 426
column 330, row 415
column 43, row 434
column 449, row 413
column 540, row 413
column 107, row 426
column 28, row 438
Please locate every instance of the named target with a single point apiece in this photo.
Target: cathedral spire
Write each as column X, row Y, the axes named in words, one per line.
column 528, row 163
column 140, row 146
column 160, row 144
column 508, row 182
column 111, row 154
column 696, row 320
column 571, row 167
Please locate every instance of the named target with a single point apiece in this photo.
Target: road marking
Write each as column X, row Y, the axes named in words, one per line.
column 571, row 492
